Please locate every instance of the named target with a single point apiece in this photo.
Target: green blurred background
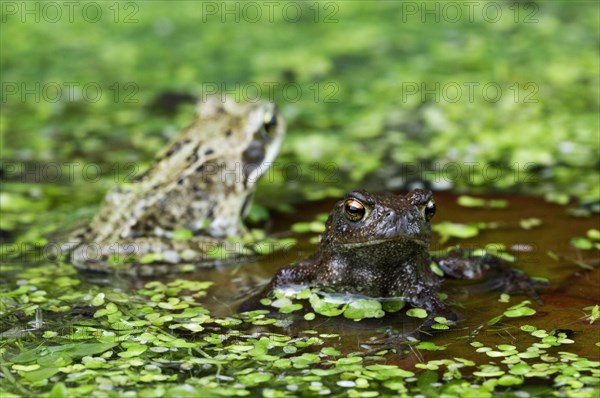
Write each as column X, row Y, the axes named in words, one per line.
column 471, row 96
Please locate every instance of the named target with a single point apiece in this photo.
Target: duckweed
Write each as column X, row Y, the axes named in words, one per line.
column 65, row 337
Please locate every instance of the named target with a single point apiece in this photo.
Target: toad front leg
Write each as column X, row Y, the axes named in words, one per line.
column 462, row 264
column 301, row 274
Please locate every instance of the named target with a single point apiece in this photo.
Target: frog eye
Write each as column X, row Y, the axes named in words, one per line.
column 354, row 210
column 270, row 122
column 429, row 210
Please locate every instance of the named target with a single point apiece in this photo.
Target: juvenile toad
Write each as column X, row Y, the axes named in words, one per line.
column 378, row 245
column 202, row 182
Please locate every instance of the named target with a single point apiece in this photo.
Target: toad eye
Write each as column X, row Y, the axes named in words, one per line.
column 429, row 210
column 354, row 210
column 270, row 122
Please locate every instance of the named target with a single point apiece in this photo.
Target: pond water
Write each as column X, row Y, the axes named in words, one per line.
column 482, row 337
column 571, row 287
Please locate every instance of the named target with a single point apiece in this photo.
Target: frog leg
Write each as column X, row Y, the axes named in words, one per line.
column 461, row 264
column 129, row 254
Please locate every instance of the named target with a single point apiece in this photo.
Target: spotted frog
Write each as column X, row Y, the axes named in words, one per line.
column 202, row 182
column 377, row 244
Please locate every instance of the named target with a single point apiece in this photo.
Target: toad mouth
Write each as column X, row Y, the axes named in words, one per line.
column 373, row 242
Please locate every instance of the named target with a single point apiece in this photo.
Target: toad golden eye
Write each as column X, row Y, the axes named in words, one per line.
column 354, row 210
column 429, row 210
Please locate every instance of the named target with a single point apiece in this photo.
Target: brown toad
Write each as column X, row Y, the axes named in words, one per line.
column 377, row 244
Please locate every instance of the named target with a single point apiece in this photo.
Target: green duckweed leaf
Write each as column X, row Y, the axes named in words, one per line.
column 449, row 230
column 417, row 313
column 359, row 309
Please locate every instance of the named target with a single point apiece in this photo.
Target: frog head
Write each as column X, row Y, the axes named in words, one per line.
column 240, row 142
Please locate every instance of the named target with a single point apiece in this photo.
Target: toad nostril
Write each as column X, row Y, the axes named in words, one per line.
column 389, row 215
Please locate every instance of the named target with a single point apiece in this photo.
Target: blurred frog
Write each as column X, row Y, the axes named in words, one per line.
column 202, row 182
